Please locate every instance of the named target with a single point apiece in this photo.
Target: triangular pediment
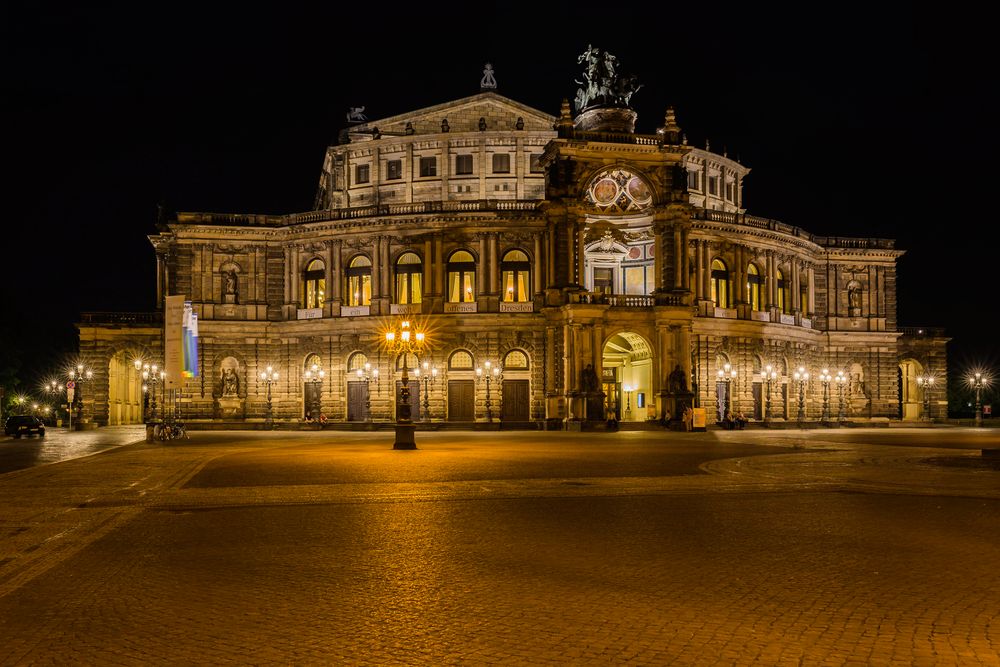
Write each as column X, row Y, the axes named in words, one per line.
column 499, row 112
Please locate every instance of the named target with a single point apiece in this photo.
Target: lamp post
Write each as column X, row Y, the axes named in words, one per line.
column 405, row 341
column 726, row 374
column 314, row 378
column 78, row 377
column 491, row 373
column 152, row 376
column 769, row 375
column 52, row 389
column 429, row 377
column 841, row 380
column 801, row 377
column 825, row 377
column 978, row 381
column 269, row 376
column 926, row 383
column 368, row 375
column 628, row 389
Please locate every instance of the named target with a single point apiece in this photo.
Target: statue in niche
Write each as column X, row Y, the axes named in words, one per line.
column 230, row 286
column 230, row 383
column 588, row 379
column 676, row 382
column 854, row 299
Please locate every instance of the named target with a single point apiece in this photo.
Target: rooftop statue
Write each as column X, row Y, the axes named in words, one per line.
column 602, row 84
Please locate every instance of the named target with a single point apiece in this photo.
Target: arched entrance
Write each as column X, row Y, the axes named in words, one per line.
column 911, row 395
column 627, row 374
column 124, row 391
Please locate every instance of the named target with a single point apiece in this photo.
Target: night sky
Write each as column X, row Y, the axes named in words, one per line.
column 856, row 119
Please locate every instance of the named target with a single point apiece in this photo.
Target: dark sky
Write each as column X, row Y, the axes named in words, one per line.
column 856, row 119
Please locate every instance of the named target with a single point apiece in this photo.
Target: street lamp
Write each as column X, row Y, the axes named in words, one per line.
column 801, row 377
column 269, row 377
column 404, row 341
column 152, row 376
column 841, row 381
column 429, row 377
column 769, row 375
column 492, row 373
column 825, row 378
column 78, row 377
column 726, row 374
column 314, row 377
column 52, row 388
column 368, row 375
column 978, row 382
column 926, row 383
column 628, row 389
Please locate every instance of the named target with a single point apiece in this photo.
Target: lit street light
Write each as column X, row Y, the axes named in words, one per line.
column 726, row 374
column 492, row 373
column 978, row 382
column 628, row 389
column 404, row 341
column 269, row 377
column 151, row 377
column 314, row 377
column 926, row 383
column 368, row 375
column 801, row 377
column 841, row 380
column 429, row 377
column 78, row 377
column 769, row 375
column 825, row 378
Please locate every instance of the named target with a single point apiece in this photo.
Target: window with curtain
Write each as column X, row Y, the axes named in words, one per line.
column 720, row 284
column 461, row 277
column 409, row 270
column 753, row 287
column 359, row 281
column 314, row 278
column 784, row 302
column 515, row 270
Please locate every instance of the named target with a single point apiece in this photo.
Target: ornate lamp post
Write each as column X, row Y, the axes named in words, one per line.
column 978, row 381
column 825, row 378
column 52, row 388
column 269, row 377
column 628, row 389
column 152, row 376
column 841, row 380
column 368, row 375
column 314, row 377
column 926, row 383
column 492, row 373
column 727, row 374
column 404, row 341
column 769, row 375
column 801, row 377
column 429, row 377
column 78, row 377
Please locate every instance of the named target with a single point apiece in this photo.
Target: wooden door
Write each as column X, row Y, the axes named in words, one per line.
column 461, row 400
column 758, row 402
column 357, row 397
column 313, row 392
column 414, row 387
column 516, row 401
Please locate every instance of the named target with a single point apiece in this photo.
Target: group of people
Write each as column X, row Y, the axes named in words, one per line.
column 731, row 421
column 315, row 420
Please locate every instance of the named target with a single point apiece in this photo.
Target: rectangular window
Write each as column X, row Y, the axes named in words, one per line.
column 394, row 170
column 463, row 165
column 635, row 280
column 501, row 163
column 361, row 173
column 713, row 185
column 729, row 191
column 428, row 166
column 536, row 163
column 694, row 182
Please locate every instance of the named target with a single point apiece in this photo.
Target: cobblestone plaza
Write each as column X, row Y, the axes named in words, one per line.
column 871, row 547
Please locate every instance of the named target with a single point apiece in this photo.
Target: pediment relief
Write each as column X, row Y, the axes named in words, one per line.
column 498, row 112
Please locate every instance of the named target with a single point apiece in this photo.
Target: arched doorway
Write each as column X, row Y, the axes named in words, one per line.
column 627, row 377
column 124, row 390
column 911, row 395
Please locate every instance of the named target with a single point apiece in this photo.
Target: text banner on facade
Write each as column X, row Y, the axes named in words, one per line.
column 173, row 340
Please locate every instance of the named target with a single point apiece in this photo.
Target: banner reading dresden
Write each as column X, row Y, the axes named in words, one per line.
column 173, row 341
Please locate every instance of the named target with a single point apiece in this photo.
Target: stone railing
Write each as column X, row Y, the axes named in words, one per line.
column 415, row 208
column 731, row 218
column 631, row 300
column 922, row 332
column 627, row 300
column 133, row 319
column 617, row 137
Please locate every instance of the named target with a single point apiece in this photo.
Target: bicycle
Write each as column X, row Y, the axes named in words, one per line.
column 170, row 431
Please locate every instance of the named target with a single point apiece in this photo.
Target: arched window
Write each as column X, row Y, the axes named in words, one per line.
column 315, row 281
column 515, row 269
column 753, row 287
column 461, row 277
column 804, row 297
column 460, row 360
column 356, row 361
column 409, row 359
column 409, row 272
column 720, row 284
column 313, row 360
column 359, row 281
column 515, row 361
column 784, row 304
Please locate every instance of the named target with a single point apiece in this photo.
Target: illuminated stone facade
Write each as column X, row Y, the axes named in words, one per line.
column 588, row 264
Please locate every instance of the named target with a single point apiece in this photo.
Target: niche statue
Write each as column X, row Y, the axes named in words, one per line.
column 230, row 383
column 676, row 382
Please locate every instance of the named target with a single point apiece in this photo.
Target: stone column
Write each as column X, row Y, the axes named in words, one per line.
column 658, row 247
column 677, row 258
column 706, row 275
column 811, row 277
column 386, row 269
column 288, row 283
column 685, row 259
column 581, row 270
column 699, row 247
column 537, row 264
column 772, row 282
column 337, row 273
column 439, row 266
column 428, row 286
column 494, row 262
column 160, row 264
column 376, row 266
column 796, row 297
column 481, row 266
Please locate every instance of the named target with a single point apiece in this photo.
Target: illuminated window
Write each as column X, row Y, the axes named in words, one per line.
column 361, row 173
column 460, row 360
column 356, row 361
column 461, row 277
column 753, row 287
column 804, row 297
column 313, row 360
column 428, row 166
column 463, row 165
column 359, row 281
column 515, row 270
column 784, row 300
column 409, row 359
column 315, row 283
column 515, row 361
column 393, row 170
column 720, row 284
column 501, row 163
column 604, row 280
column 408, row 278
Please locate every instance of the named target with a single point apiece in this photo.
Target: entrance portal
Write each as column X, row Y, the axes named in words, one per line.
column 911, row 395
column 628, row 377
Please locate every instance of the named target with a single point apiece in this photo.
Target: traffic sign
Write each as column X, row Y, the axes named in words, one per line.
column 70, row 384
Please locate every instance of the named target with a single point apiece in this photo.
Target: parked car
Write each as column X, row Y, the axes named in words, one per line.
column 19, row 425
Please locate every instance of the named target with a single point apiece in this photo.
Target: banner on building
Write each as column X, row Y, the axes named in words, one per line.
column 190, row 338
column 173, row 341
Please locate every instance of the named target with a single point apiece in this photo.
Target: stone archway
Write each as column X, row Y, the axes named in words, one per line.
column 124, row 390
column 627, row 381
column 911, row 395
